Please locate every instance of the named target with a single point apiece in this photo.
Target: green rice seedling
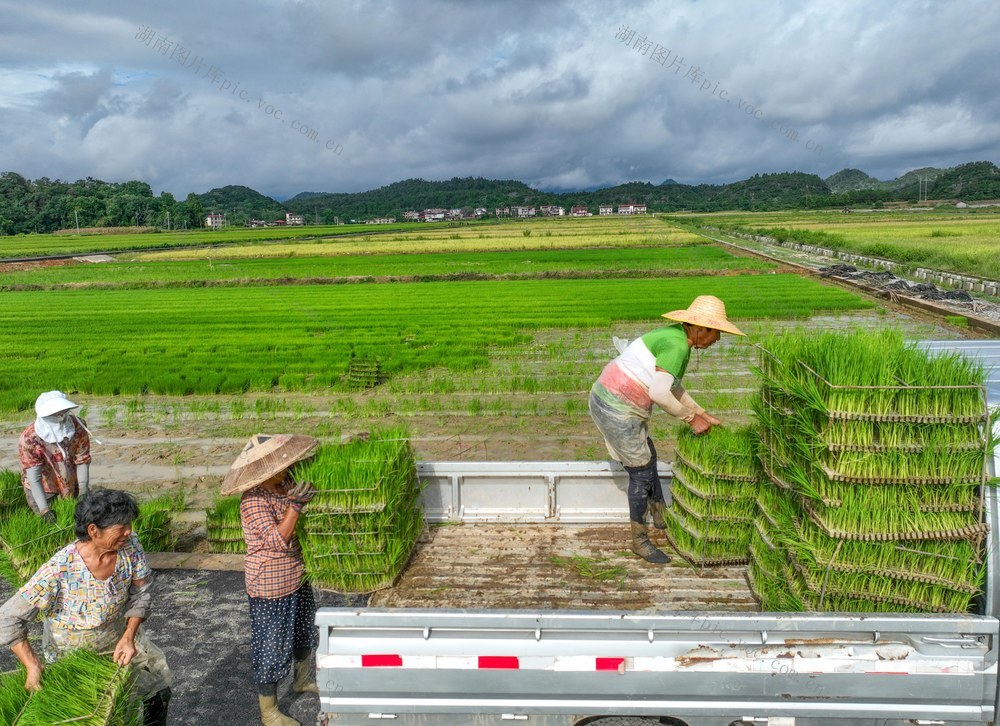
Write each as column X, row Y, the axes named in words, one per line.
column 28, row 541
column 11, row 491
column 224, row 528
column 954, row 564
column 772, row 593
column 12, row 695
column 920, row 596
column 702, row 544
column 593, row 568
column 359, row 531
column 716, row 487
column 708, row 508
column 154, row 525
column 84, row 689
column 861, row 518
column 723, row 453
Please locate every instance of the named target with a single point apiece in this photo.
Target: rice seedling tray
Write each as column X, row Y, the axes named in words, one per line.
column 699, row 549
column 955, row 564
column 834, row 475
column 706, row 529
column 711, row 510
column 822, row 584
column 729, row 490
column 705, row 472
column 930, row 526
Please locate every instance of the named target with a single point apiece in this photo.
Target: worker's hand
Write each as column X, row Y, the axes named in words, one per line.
column 301, row 493
column 49, row 516
column 700, row 424
column 711, row 419
column 124, row 651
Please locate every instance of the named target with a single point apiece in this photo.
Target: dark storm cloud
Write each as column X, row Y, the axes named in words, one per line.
column 540, row 91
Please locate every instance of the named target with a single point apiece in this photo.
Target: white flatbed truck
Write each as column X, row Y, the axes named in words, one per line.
column 492, row 624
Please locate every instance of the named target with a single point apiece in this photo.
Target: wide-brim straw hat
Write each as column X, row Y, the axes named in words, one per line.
column 707, row 311
column 264, row 457
column 52, row 402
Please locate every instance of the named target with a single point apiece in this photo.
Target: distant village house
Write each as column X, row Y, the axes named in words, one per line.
column 291, row 218
column 606, row 209
column 215, row 221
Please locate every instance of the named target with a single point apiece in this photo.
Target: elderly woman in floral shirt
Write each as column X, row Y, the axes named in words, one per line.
column 95, row 593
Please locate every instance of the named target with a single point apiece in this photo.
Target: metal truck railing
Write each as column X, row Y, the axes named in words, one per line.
column 526, row 491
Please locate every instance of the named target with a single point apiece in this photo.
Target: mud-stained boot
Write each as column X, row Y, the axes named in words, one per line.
column 644, row 548
column 657, row 510
column 270, row 714
column 302, row 683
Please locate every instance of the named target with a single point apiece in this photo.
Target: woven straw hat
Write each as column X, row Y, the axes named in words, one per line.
column 707, row 311
column 263, row 457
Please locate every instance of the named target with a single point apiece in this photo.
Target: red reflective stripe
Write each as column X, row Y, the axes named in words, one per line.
column 609, row 664
column 379, row 661
column 499, row 661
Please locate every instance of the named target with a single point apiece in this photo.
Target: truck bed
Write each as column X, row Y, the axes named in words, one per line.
column 493, row 566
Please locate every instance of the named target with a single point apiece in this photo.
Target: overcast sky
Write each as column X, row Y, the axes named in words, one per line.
column 313, row 95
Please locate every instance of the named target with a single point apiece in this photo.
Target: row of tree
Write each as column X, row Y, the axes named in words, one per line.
column 44, row 205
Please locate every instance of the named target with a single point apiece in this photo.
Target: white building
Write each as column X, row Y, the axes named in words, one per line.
column 606, row 209
column 291, row 218
column 215, row 221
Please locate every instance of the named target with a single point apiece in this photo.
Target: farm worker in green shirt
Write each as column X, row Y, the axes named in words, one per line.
column 649, row 370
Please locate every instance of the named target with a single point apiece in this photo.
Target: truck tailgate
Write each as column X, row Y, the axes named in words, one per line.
column 534, row 665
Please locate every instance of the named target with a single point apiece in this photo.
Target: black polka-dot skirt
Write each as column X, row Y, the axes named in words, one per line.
column 278, row 626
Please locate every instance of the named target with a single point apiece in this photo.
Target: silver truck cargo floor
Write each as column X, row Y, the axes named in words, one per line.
column 535, row 566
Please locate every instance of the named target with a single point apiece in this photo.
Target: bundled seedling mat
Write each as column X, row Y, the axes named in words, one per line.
column 715, row 482
column 224, row 527
column 81, row 689
column 358, row 532
column 879, row 453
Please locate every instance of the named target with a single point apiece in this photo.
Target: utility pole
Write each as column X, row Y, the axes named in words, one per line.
column 76, row 213
column 168, row 221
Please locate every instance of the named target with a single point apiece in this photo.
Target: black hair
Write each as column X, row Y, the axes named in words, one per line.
column 103, row 508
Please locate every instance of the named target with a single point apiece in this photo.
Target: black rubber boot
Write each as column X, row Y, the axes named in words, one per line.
column 155, row 708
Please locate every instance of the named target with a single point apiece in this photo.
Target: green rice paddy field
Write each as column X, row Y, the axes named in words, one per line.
column 31, row 245
column 966, row 243
column 493, row 333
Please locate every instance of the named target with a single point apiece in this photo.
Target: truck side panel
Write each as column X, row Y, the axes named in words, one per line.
column 685, row 665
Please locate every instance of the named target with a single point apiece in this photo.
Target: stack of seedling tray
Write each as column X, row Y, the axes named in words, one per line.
column 770, row 569
column 881, row 451
column 715, row 482
column 224, row 527
column 359, row 530
column 155, row 523
column 80, row 689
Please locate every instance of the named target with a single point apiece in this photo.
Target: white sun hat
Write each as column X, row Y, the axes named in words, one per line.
column 52, row 402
